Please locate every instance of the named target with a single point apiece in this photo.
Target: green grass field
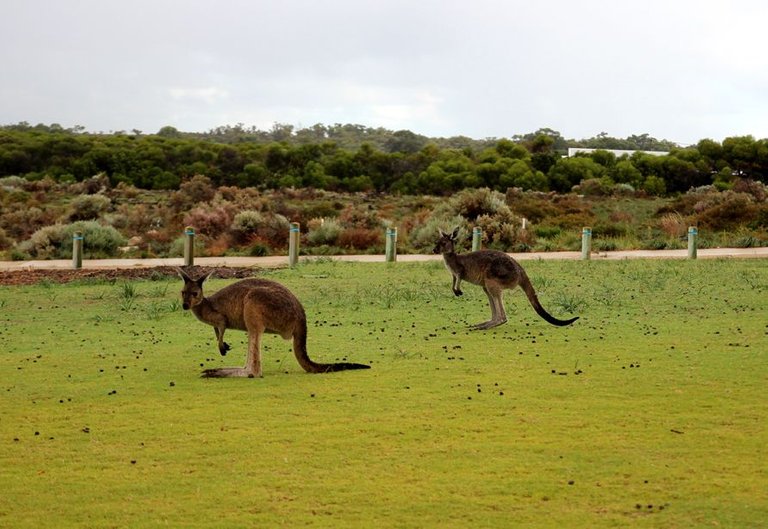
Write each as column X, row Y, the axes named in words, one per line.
column 650, row 411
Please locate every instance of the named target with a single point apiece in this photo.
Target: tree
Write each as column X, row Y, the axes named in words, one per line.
column 405, row 141
column 169, row 132
column 568, row 172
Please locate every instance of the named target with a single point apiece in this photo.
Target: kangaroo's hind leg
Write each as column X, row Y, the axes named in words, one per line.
column 252, row 362
column 498, row 314
column 486, row 324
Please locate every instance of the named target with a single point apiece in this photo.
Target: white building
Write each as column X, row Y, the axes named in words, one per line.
column 572, row 151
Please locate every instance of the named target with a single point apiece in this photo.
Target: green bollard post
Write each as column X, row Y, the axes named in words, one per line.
column 586, row 243
column 391, row 245
column 189, row 246
column 77, row 250
column 477, row 238
column 293, row 244
column 693, row 235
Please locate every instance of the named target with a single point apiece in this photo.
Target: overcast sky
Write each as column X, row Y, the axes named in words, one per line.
column 680, row 70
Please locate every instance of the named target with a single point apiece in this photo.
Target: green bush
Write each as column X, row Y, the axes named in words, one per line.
column 325, row 233
column 423, row 237
column 13, row 182
column 55, row 242
column 245, row 224
column 88, row 207
column 5, row 241
column 472, row 203
column 547, row 232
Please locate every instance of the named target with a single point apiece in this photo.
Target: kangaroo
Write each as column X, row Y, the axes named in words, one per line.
column 494, row 271
column 255, row 306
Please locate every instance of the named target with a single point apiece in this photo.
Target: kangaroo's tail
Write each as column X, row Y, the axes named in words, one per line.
column 527, row 287
column 300, row 350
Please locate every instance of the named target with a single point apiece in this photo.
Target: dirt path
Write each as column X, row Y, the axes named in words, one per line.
column 28, row 272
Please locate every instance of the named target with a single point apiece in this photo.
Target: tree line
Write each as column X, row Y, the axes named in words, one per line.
column 356, row 158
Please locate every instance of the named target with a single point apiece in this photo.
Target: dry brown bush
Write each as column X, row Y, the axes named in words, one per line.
column 360, row 238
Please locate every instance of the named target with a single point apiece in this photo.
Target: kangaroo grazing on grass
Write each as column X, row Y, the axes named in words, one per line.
column 494, row 271
column 255, row 306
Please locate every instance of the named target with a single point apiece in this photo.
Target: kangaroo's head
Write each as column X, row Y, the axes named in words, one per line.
column 192, row 293
column 447, row 242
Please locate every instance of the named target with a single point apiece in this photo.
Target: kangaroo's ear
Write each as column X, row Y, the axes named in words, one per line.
column 442, row 233
column 183, row 275
column 206, row 276
column 455, row 234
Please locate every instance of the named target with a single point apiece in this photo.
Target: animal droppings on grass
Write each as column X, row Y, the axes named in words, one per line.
column 172, row 383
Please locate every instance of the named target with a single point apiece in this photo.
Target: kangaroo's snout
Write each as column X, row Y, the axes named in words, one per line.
column 185, row 306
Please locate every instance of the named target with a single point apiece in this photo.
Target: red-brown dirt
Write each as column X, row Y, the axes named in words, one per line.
column 33, row 276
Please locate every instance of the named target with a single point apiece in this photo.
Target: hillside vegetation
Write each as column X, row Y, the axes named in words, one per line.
column 39, row 219
column 353, row 158
column 133, row 194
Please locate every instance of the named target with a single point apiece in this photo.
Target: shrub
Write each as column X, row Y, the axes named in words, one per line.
column 245, row 224
column 758, row 190
column 96, row 184
column 176, row 247
column 726, row 210
column 275, row 231
column 424, row 236
column 136, row 218
column 88, row 207
column 20, row 222
column 255, row 227
column 606, row 245
column 5, row 241
column 360, row 217
column 595, row 187
column 194, row 191
column 360, row 238
column 55, row 242
column 326, row 232
column 210, row 221
column 547, row 232
column 610, row 229
column 258, row 250
column 673, row 225
column 13, row 182
column 472, row 203
column 504, row 232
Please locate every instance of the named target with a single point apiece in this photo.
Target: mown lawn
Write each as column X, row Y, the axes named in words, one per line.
column 649, row 411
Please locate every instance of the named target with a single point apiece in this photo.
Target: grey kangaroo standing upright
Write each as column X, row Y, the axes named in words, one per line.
column 494, row 271
column 255, row 306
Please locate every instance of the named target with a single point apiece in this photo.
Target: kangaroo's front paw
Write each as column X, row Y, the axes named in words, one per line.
column 458, row 292
column 224, row 348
